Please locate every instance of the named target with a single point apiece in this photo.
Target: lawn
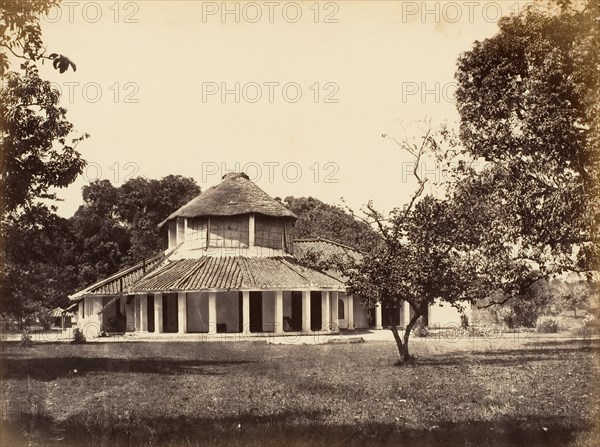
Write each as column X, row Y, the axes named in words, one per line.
column 475, row 392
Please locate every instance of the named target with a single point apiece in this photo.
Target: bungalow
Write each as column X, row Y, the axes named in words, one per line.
column 229, row 268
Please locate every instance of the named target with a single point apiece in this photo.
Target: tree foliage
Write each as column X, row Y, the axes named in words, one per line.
column 529, row 107
column 575, row 295
column 318, row 219
column 547, row 297
column 38, row 149
column 37, row 153
column 524, row 310
column 144, row 203
column 39, row 269
column 101, row 241
column 21, row 34
column 118, row 226
column 424, row 257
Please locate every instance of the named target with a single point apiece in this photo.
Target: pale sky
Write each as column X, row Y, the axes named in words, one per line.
column 150, row 75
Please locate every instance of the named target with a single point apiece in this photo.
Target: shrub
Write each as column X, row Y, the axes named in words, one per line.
column 591, row 321
column 518, row 313
column 78, row 337
column 524, row 310
column 547, row 325
column 464, row 321
column 590, row 326
column 26, row 340
column 453, row 332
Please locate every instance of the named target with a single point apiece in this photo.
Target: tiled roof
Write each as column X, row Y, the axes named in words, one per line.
column 235, row 195
column 118, row 282
column 226, row 273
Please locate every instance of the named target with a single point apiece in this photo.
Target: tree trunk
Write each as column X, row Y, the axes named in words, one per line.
column 403, row 345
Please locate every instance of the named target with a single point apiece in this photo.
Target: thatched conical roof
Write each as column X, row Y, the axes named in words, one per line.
column 235, row 195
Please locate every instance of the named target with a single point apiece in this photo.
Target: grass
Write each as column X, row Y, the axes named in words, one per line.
column 479, row 392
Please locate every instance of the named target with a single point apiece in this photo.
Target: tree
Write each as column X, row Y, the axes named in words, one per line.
column 37, row 153
column 423, row 257
column 524, row 310
column 22, row 34
column 318, row 219
column 144, row 203
column 118, row 226
column 576, row 295
column 529, row 108
column 423, row 262
column 41, row 273
column 102, row 242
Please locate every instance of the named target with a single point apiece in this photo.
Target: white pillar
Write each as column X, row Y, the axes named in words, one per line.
column 378, row 324
column 158, row 313
column 351, row 312
column 212, row 312
column 278, row 324
column 181, row 312
column 246, row 311
column 305, row 311
column 406, row 312
column 144, row 313
column 335, row 321
column 325, row 306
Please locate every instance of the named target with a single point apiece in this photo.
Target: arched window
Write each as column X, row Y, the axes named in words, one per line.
column 341, row 315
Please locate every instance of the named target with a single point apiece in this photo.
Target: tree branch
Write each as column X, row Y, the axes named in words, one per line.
column 531, row 283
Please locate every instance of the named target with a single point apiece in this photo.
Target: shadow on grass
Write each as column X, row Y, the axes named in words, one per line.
column 291, row 429
column 47, row 369
column 513, row 357
column 581, row 342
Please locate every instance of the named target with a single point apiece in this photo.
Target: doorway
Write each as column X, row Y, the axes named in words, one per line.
column 150, row 306
column 296, row 311
column 170, row 313
column 316, row 318
column 342, row 314
column 256, row 320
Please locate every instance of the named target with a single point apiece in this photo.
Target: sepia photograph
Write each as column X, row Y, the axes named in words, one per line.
column 299, row 223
